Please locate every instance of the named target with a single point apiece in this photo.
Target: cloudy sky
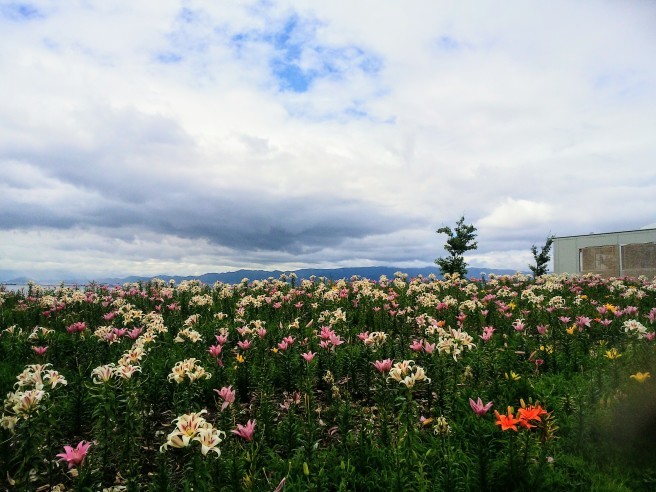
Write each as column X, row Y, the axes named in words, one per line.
column 184, row 137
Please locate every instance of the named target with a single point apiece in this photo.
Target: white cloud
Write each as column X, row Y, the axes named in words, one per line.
column 181, row 122
column 517, row 214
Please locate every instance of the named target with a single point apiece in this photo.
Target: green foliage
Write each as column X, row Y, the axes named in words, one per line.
column 460, row 240
column 541, row 258
column 580, row 347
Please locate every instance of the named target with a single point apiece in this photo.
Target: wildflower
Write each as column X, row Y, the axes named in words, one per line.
column 209, row 438
column 506, row 421
column 407, row 373
column 513, row 376
column 519, row 325
column 542, row 329
column 441, row 427
column 641, row 377
column 652, row 315
column 375, row 339
column 308, row 356
column 240, row 358
column 612, row 354
column 126, row 372
column 336, row 340
column 528, row 414
column 189, row 424
column 570, row 330
column 478, row 407
column 54, row 378
column 78, row 327
column 215, row 350
column 8, row 422
column 417, row 345
column 283, row 345
column 245, row 431
column 400, row 369
column 227, row 395
column 75, row 457
column 40, row 350
column 487, row 333
column 27, row 402
column 630, row 310
column 244, row 344
column 582, row 321
column 119, row 332
column 634, row 327
column 383, row 366
column 103, row 374
column 188, row 368
column 134, row 333
column 193, row 427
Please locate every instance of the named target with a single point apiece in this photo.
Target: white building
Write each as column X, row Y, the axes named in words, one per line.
column 612, row 254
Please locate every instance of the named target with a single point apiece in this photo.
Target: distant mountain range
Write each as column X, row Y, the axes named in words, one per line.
column 305, row 273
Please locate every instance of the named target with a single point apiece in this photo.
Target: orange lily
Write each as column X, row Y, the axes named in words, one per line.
column 506, row 421
column 530, row 413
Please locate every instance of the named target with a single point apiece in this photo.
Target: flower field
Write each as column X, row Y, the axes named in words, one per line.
column 394, row 384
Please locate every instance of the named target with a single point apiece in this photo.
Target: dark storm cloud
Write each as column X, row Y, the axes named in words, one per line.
column 138, row 171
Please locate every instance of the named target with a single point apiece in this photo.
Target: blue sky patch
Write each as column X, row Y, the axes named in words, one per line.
column 298, row 59
column 447, row 43
column 18, row 12
column 168, row 57
column 291, row 77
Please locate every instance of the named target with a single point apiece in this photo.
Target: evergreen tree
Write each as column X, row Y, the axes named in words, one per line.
column 542, row 258
column 459, row 242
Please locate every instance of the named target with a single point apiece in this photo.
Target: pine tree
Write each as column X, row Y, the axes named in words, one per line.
column 459, row 242
column 542, row 258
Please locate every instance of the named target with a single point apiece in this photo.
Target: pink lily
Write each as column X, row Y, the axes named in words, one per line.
column 383, row 366
column 417, row 345
column 246, row 431
column 582, row 321
column 244, row 345
column 487, row 333
column 78, row 327
column 40, row 350
column 478, row 407
column 75, row 457
column 215, row 350
column 227, row 395
column 135, row 332
column 308, row 356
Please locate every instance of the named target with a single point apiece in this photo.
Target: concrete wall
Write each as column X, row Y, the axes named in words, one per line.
column 615, row 254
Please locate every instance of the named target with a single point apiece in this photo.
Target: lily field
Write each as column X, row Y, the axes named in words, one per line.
column 509, row 383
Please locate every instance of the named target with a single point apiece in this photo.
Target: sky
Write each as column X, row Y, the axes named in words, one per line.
column 184, row 137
